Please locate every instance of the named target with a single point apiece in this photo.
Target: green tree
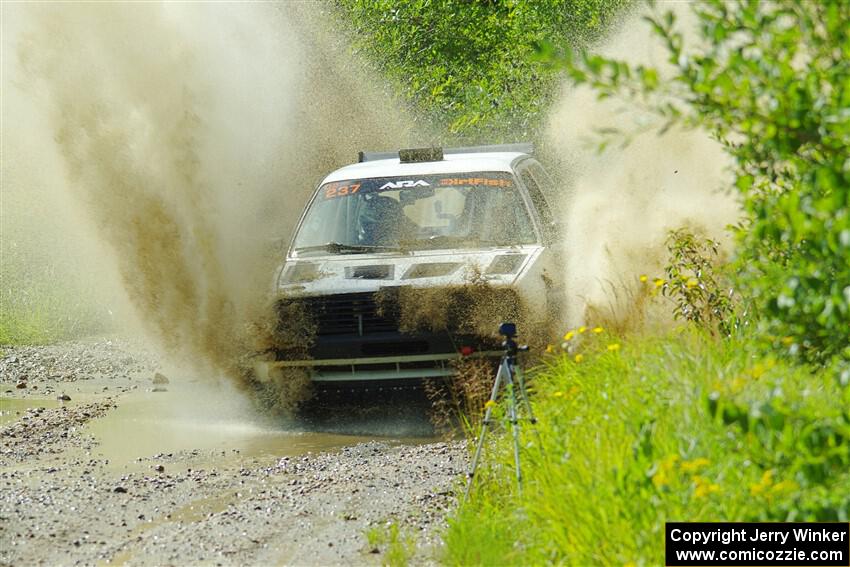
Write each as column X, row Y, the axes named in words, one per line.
column 469, row 65
column 772, row 82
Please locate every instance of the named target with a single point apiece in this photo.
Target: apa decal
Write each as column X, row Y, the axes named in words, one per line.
column 404, row 184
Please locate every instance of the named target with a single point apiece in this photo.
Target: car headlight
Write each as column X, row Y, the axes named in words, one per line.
column 300, row 272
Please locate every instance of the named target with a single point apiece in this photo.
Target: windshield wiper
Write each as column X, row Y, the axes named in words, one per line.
column 340, row 248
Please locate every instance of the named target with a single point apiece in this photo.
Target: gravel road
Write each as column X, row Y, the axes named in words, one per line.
column 67, row 498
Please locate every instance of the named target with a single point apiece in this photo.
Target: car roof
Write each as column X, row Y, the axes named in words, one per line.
column 451, row 163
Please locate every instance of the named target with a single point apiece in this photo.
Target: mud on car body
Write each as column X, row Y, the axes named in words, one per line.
column 406, row 261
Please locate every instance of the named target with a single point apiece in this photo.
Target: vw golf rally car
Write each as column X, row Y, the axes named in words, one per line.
column 406, row 261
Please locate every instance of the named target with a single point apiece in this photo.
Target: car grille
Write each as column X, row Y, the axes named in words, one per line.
column 349, row 314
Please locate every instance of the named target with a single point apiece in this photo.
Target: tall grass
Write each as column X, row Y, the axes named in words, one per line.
column 639, row 432
column 43, row 308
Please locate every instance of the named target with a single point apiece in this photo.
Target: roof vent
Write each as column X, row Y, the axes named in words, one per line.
column 417, row 155
column 436, row 154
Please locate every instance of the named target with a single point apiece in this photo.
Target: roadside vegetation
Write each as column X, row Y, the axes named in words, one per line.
column 43, row 303
column 396, row 545
column 638, row 431
column 40, row 315
column 740, row 412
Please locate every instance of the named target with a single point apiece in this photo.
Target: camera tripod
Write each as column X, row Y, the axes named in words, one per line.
column 511, row 375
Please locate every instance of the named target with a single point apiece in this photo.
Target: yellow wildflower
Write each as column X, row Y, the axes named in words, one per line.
column 558, row 394
column 737, row 385
column 704, row 487
column 550, row 349
column 614, row 347
column 663, row 473
column 695, row 465
column 489, row 404
column 659, row 282
column 579, row 357
column 784, row 486
column 598, row 330
column 569, row 335
column 582, row 329
column 691, row 283
column 643, row 278
column 763, row 485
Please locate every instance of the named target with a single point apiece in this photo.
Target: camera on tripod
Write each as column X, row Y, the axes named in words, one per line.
column 511, row 375
column 508, row 330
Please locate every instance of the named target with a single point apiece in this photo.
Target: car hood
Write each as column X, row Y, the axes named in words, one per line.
column 352, row 273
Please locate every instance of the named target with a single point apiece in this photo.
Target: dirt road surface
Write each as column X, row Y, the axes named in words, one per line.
column 132, row 472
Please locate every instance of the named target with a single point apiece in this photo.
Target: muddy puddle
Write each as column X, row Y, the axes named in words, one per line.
column 191, row 426
column 13, row 409
column 183, row 426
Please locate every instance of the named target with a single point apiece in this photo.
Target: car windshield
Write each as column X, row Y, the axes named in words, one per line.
column 415, row 213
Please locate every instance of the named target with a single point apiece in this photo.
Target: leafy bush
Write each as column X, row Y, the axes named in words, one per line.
column 771, row 82
column 696, row 282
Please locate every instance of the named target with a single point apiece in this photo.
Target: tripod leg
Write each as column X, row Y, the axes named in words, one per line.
column 486, row 423
column 521, row 380
column 524, row 394
column 512, row 415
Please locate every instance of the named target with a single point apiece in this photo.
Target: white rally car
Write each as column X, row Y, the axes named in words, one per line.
column 406, row 261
